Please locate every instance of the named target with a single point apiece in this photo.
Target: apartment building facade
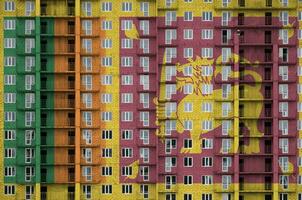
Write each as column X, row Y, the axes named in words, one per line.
column 151, row 99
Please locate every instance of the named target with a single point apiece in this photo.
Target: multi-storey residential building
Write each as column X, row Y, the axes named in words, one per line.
column 151, row 99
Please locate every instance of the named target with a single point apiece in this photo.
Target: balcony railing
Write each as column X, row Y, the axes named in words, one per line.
column 71, row 158
column 71, row 196
column 71, row 140
column 71, row 177
column 43, row 195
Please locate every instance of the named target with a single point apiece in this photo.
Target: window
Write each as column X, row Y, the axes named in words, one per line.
column 207, row 52
column 126, row 116
column 9, row 79
column 87, row 45
column 9, row 24
column 207, row 89
column 188, row 161
column 188, row 143
column 9, row 171
column 144, row 63
column 170, row 54
column 284, row 179
column 87, row 191
column 10, row 134
column 226, row 109
column 127, row 152
column 283, row 91
column 10, row 61
column 29, row 62
column 284, row 164
column 29, row 26
column 127, row 61
column 87, row 118
column 87, row 81
column 207, row 143
column 107, row 43
column 188, row 52
column 106, row 25
column 106, row 189
column 207, row 107
column 126, row 25
column 188, row 180
column 283, row 35
column 188, row 107
column 9, row 97
column 226, row 181
column 106, row 134
column 10, row 116
column 226, row 145
column 226, row 126
column 126, row 189
column 170, row 17
column 283, row 18
column 206, row 70
column 127, row 43
column 87, row 8
column 226, row 163
column 187, row 71
column 106, row 79
column 144, row 45
column 226, row 18
column 144, row 99
column 283, row 126
column 188, row 16
column 207, row 125
column 29, row 173
column 9, row 153
column 127, row 134
column 170, row 72
column 170, row 34
column 170, row 90
column 226, row 54
column 144, row 8
column 207, row 16
column 188, row 89
column 144, row 26
column 144, row 81
column 206, row 161
column 9, row 6
column 29, row 118
column 283, row 109
column 87, row 27
column 87, row 100
column 9, row 189
column 106, row 98
column 87, row 173
column 188, row 125
column 126, row 6
column 106, row 116
column 127, row 98
column 188, row 196
column 144, row 118
column 29, row 7
column 207, row 34
column 283, row 145
column 87, row 136
column 207, row 180
column 106, row 171
column 126, row 171
column 29, row 45
column 188, row 34
column 9, row 43
column 106, row 153
column 144, row 136
column 144, row 154
column 127, row 80
column 106, row 6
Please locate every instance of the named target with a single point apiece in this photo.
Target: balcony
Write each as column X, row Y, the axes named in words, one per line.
column 70, row 10
column 43, row 194
column 71, row 177
column 71, row 196
column 71, row 158
column 241, row 3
